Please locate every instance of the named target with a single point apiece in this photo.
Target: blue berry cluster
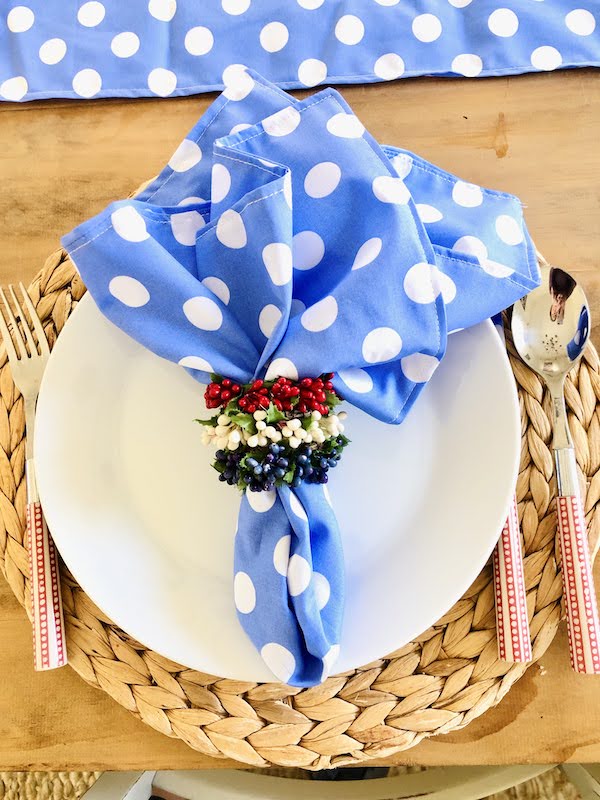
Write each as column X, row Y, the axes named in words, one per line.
column 262, row 469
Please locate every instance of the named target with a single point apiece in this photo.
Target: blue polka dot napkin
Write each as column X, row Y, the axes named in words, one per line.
column 49, row 48
column 282, row 240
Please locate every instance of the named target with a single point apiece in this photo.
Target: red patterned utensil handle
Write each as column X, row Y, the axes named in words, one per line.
column 514, row 640
column 580, row 596
column 48, row 624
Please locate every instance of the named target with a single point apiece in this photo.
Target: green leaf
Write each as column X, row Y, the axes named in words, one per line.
column 332, row 399
column 215, row 378
column 212, row 422
column 307, row 422
column 289, row 476
column 274, row 414
column 244, row 421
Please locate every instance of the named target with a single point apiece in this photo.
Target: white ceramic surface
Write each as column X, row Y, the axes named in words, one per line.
column 147, row 529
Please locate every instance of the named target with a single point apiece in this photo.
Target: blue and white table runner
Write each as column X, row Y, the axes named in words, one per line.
column 110, row 48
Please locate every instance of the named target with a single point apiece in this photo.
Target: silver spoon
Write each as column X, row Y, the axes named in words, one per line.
column 551, row 327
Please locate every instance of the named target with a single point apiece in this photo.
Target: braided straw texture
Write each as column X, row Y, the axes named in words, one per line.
column 46, row 785
column 438, row 683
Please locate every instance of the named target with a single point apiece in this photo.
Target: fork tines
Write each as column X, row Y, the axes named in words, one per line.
column 12, row 332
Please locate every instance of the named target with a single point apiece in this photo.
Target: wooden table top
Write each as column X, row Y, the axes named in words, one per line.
column 60, row 162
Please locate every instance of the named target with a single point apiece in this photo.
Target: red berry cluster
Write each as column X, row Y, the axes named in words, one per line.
column 283, row 392
column 304, row 396
column 219, row 394
column 256, row 397
column 313, row 395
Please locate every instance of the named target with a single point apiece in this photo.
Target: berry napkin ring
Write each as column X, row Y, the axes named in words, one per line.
column 272, row 433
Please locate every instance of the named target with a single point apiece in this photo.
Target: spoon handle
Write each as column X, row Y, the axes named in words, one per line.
column 579, row 592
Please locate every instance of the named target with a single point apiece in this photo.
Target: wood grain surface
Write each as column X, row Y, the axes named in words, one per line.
column 60, row 162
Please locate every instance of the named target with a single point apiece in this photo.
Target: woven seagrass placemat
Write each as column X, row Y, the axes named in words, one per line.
column 440, row 682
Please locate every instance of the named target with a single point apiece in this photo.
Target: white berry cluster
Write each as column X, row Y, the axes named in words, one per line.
column 228, row 435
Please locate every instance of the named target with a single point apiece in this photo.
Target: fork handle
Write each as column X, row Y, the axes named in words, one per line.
column 512, row 624
column 581, row 607
column 49, row 649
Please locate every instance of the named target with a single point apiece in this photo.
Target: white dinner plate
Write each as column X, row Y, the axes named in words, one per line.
column 147, row 529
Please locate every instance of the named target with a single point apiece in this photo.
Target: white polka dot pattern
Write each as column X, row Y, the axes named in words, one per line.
column 298, row 575
column 274, row 37
column 235, row 7
column 279, row 660
column 284, row 367
column 503, row 22
column 163, row 10
column 231, row 230
column 129, row 224
column 321, row 315
column 322, row 179
column 203, row 313
column 244, row 593
column 468, row 64
column 429, row 213
column 187, row 155
column 238, row 83
column 199, row 41
column 277, row 258
column 308, row 250
column 312, row 71
column 389, row 67
column 20, row 19
column 162, row 81
column 357, row 380
column 581, row 22
column 185, row 225
column 349, row 29
column 367, row 253
column 14, row 89
column 91, row 14
column 281, row 555
column 346, row 126
column 329, row 660
column 322, row 590
column 87, row 83
column 218, row 287
column 427, row 27
column 268, row 319
column 125, row 45
column 53, row 51
column 391, row 190
column 546, row 58
column 381, row 344
column 261, row 502
column 195, row 362
column 282, row 122
column 221, row 183
column 315, row 254
column 129, row 291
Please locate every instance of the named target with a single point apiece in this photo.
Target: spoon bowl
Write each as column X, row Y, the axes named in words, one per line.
column 551, row 325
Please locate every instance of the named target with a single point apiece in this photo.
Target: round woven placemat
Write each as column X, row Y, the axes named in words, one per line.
column 438, row 683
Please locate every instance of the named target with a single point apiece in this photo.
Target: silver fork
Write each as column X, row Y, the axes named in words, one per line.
column 28, row 357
